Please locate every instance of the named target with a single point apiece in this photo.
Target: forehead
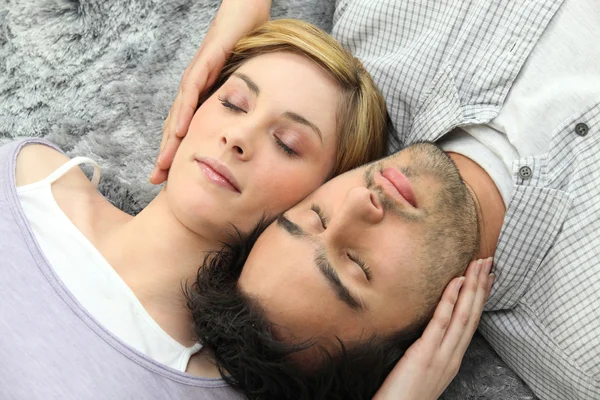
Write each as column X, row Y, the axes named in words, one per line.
column 290, row 82
column 281, row 272
column 293, row 75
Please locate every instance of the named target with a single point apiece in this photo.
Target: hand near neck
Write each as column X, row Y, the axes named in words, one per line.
column 490, row 206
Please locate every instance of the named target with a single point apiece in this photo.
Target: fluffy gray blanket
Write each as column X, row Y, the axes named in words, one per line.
column 97, row 77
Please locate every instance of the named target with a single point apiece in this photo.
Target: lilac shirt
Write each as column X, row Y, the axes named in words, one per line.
column 50, row 347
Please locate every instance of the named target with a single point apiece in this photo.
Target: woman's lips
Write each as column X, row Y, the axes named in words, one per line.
column 399, row 186
column 218, row 173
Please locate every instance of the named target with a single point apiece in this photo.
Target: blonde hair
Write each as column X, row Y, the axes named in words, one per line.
column 362, row 131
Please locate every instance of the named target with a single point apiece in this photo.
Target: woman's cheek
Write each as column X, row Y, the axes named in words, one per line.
column 300, row 186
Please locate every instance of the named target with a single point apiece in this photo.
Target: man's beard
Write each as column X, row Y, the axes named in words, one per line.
column 426, row 160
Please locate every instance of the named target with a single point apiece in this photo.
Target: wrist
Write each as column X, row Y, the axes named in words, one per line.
column 258, row 11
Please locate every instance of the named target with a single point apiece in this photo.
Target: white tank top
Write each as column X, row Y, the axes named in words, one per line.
column 90, row 278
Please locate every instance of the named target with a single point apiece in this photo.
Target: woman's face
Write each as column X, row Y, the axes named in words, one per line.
column 257, row 146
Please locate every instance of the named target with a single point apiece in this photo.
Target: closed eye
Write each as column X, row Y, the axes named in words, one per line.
column 321, row 215
column 354, row 258
column 285, row 148
column 362, row 264
column 230, row 106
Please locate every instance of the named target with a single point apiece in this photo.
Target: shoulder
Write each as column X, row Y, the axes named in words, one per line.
column 73, row 192
column 36, row 162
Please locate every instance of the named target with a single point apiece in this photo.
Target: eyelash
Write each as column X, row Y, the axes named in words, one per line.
column 287, row 150
column 362, row 265
column 230, row 106
column 355, row 259
column 360, row 262
column 321, row 215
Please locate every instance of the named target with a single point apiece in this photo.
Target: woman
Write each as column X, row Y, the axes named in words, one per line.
column 432, row 362
column 290, row 109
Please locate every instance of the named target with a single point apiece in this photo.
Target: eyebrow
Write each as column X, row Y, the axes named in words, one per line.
column 341, row 291
column 249, row 82
column 322, row 262
column 290, row 227
column 295, row 117
column 301, row 120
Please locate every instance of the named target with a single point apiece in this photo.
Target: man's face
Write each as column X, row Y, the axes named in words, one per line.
column 350, row 260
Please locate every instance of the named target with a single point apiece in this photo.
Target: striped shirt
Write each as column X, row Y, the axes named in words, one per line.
column 448, row 64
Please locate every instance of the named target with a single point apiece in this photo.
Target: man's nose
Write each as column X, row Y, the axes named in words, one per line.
column 240, row 141
column 361, row 208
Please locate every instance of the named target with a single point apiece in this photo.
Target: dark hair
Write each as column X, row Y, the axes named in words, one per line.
column 244, row 345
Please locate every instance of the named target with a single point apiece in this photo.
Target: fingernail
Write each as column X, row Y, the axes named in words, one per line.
column 152, row 175
column 158, row 158
column 488, row 264
column 490, row 282
column 478, row 267
column 460, row 282
column 177, row 128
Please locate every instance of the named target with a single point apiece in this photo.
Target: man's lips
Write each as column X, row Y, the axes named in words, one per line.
column 398, row 186
column 218, row 173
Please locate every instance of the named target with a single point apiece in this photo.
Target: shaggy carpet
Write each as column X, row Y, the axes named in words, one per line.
column 97, row 77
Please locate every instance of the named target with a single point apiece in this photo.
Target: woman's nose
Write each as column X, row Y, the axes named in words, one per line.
column 239, row 142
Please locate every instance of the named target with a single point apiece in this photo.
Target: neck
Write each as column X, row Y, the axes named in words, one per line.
column 489, row 203
column 157, row 256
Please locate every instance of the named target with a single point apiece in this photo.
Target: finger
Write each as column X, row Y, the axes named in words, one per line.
column 483, row 286
column 168, row 153
column 463, row 310
column 158, row 176
column 192, row 85
column 168, row 131
column 168, row 127
column 437, row 327
column 165, row 135
column 491, row 279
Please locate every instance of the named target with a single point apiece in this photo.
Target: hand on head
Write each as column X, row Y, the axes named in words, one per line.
column 253, row 358
column 357, row 270
column 431, row 351
column 233, row 20
column 361, row 119
column 369, row 252
column 270, row 137
column 430, row 364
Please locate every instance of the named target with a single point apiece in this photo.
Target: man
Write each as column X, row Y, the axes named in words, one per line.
column 340, row 285
column 521, row 80
column 505, row 72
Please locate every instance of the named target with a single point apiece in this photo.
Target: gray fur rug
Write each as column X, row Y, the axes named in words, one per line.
column 97, row 77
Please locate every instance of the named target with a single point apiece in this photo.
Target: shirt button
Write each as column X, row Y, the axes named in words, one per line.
column 525, row 172
column 581, row 129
